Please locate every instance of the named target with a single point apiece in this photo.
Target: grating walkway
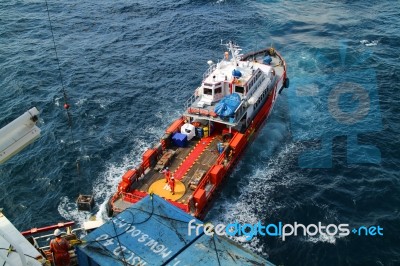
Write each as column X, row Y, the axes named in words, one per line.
column 192, row 157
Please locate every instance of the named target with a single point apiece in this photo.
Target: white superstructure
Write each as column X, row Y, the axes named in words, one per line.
column 253, row 78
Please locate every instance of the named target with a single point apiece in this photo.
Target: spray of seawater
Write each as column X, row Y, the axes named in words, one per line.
column 106, row 184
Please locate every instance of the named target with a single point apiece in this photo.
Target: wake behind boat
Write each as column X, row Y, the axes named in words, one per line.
column 221, row 118
column 186, row 167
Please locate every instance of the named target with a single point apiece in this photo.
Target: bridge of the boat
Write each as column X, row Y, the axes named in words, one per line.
column 219, row 81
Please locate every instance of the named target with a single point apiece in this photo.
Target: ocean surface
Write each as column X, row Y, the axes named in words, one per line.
column 329, row 152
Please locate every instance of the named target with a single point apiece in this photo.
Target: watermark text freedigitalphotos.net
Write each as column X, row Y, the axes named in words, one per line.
column 280, row 230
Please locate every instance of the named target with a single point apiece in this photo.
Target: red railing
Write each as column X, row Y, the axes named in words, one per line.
column 133, row 196
column 182, row 206
column 47, row 228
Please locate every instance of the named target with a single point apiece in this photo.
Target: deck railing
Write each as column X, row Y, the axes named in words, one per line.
column 190, row 101
column 209, row 71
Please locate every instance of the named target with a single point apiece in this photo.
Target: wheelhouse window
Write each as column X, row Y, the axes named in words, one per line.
column 251, row 84
column 239, row 89
column 207, row 91
column 218, row 90
column 258, row 75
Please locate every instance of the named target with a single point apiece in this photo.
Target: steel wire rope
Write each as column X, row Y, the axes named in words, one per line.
column 187, row 243
column 215, row 248
column 168, row 218
column 151, row 213
column 118, row 235
column 66, row 105
column 10, row 249
column 15, row 251
column 59, row 68
column 129, row 227
column 170, row 225
column 120, row 246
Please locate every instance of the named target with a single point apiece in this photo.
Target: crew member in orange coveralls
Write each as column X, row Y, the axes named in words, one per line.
column 59, row 247
column 167, row 174
column 172, row 185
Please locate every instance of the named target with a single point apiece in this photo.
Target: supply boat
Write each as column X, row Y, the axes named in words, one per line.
column 220, row 119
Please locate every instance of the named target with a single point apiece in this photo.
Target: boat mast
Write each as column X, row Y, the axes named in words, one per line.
column 232, row 50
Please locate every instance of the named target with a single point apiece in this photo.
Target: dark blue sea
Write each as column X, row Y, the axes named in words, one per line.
column 329, row 152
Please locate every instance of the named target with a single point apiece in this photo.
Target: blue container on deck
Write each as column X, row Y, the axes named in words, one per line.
column 267, row 60
column 199, row 132
column 154, row 232
column 220, row 147
column 179, row 139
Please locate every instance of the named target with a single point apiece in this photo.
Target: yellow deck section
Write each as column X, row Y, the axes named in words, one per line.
column 162, row 189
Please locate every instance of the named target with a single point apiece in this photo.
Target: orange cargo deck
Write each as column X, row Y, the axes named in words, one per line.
column 188, row 165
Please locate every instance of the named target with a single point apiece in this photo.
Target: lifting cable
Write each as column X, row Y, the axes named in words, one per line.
column 119, row 244
column 66, row 105
column 215, row 248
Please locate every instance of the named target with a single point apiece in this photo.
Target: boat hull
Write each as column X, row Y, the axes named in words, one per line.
column 199, row 167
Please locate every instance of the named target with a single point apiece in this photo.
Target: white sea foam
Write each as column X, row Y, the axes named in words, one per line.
column 108, row 139
column 103, row 102
column 324, row 238
column 67, row 209
column 81, row 101
column 106, row 184
column 262, row 181
column 57, row 101
column 369, row 43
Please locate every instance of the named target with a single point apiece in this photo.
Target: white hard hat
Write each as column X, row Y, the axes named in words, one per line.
column 172, row 177
column 57, row 232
